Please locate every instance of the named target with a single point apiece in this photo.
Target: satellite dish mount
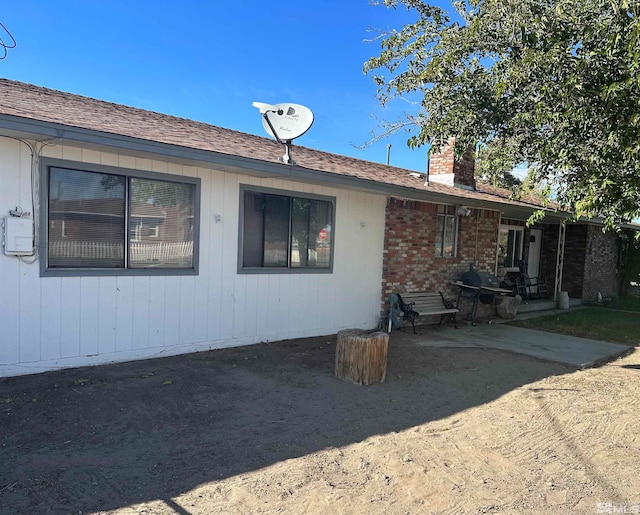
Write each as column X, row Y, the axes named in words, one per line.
column 285, row 122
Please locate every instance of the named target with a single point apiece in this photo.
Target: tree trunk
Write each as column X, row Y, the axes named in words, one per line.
column 361, row 356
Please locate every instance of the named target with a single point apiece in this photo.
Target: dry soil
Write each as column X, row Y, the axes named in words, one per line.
column 269, row 429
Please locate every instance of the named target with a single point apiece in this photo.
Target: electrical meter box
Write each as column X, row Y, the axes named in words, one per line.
column 18, row 236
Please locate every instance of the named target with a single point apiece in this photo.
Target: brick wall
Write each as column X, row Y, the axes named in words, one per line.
column 574, row 250
column 549, row 255
column 575, row 244
column 590, row 261
column 410, row 265
column 409, row 262
column 600, row 266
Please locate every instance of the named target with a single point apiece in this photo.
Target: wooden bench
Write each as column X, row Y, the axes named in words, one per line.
column 419, row 304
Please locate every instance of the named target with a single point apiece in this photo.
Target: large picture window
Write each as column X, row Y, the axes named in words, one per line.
column 285, row 232
column 446, row 232
column 100, row 221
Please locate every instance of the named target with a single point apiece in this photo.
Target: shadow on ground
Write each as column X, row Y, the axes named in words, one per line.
column 102, row 438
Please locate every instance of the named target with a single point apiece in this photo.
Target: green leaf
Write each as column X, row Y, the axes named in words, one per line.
column 556, row 83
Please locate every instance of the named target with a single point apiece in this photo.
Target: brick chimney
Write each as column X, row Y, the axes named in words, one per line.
column 444, row 169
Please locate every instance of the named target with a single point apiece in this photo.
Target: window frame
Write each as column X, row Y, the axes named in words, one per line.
column 47, row 163
column 288, row 269
column 517, row 248
column 446, row 212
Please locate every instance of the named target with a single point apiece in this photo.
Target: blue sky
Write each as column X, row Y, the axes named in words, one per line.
column 209, row 60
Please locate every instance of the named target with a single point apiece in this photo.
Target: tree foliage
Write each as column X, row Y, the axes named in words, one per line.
column 551, row 82
column 629, row 263
column 495, row 163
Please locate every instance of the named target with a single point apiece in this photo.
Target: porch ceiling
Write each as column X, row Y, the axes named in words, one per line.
column 551, row 217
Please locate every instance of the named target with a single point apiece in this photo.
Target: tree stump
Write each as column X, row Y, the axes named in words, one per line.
column 361, row 356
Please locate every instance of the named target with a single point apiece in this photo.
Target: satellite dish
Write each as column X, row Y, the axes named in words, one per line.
column 285, row 122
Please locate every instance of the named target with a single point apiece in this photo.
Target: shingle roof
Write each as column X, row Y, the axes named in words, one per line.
column 56, row 107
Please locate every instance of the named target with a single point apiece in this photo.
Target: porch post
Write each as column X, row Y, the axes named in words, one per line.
column 559, row 260
column 495, row 272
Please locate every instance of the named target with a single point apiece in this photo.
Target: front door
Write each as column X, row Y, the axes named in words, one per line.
column 533, row 261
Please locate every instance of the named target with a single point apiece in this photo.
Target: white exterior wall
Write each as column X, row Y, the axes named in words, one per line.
column 57, row 322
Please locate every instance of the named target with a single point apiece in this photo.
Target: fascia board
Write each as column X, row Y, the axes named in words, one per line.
column 227, row 162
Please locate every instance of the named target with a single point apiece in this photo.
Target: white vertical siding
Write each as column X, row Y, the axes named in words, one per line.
column 107, row 306
column 29, row 313
column 14, row 163
column 89, row 315
column 54, row 322
column 140, row 313
column 157, row 311
column 9, row 312
column 51, row 303
column 70, row 317
column 171, row 317
column 124, row 314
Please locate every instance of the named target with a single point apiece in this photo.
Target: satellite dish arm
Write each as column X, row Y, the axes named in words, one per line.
column 265, row 109
column 287, row 143
column 272, row 127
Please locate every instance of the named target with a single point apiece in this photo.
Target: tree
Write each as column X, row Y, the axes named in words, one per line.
column 494, row 165
column 555, row 83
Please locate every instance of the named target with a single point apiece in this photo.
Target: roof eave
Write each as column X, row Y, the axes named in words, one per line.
column 32, row 129
column 43, row 130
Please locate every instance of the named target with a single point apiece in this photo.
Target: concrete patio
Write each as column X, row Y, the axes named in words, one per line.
column 567, row 350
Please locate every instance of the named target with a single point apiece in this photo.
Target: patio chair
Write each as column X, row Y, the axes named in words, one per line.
column 543, row 292
column 521, row 286
column 524, row 285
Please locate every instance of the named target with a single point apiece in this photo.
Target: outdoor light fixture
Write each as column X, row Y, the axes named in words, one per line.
column 464, row 211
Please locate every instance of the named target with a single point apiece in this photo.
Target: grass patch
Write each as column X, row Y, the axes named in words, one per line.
column 628, row 304
column 595, row 323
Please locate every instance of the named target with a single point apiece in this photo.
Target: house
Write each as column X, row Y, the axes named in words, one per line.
column 157, row 235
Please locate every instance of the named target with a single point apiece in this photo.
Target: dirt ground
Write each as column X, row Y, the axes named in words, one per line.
column 269, row 429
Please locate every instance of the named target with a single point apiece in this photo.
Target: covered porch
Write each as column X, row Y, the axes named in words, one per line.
column 577, row 257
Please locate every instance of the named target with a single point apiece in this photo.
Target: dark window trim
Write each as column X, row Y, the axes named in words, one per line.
column 518, row 253
column 283, row 270
column 45, row 271
column 446, row 214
